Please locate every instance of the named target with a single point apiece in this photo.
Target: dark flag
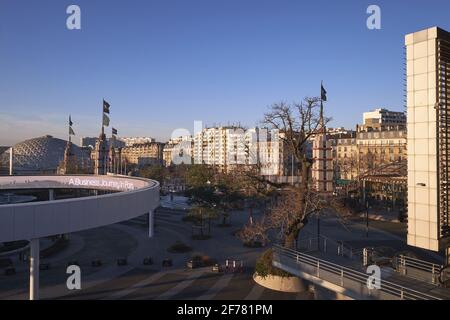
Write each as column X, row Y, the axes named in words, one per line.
column 71, row 132
column 105, row 120
column 105, row 106
column 323, row 93
column 114, row 131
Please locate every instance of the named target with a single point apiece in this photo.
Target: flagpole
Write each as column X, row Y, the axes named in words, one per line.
column 322, row 125
column 111, row 146
column 103, row 127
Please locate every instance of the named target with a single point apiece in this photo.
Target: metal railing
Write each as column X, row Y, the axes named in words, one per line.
column 426, row 270
column 327, row 245
column 342, row 275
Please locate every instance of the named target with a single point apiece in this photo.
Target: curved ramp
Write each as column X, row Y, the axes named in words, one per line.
column 132, row 197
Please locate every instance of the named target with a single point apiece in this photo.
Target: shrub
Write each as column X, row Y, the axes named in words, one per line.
column 264, row 267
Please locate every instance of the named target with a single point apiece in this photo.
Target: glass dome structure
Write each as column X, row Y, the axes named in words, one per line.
column 42, row 154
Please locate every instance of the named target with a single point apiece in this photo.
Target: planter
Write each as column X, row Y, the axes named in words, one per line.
column 283, row 284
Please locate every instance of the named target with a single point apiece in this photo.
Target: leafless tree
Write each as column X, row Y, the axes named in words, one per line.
column 348, row 166
column 297, row 123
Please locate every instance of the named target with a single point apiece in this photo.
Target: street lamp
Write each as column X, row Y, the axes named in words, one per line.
column 318, row 230
column 367, row 219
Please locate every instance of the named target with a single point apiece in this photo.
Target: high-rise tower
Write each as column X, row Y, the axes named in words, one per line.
column 428, row 120
column 322, row 168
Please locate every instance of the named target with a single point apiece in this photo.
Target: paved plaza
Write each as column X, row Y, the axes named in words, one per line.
column 137, row 281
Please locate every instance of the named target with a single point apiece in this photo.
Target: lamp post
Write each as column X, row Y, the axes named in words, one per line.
column 11, row 161
column 367, row 219
column 318, row 230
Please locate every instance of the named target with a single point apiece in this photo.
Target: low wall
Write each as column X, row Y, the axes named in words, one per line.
column 284, row 284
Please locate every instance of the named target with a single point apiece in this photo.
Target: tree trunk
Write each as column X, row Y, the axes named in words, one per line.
column 289, row 241
column 201, row 223
column 292, row 235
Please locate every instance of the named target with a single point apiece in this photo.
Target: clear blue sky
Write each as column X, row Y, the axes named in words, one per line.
column 163, row 64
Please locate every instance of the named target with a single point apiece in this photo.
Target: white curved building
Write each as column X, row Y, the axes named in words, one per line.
column 129, row 198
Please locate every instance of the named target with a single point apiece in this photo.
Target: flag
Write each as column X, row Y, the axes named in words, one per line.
column 71, row 132
column 114, row 131
column 105, row 106
column 323, row 93
column 70, row 121
column 105, row 120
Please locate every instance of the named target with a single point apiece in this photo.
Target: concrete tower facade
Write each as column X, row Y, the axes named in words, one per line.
column 70, row 164
column 322, row 168
column 428, row 121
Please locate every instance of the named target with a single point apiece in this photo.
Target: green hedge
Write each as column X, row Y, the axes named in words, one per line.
column 264, row 266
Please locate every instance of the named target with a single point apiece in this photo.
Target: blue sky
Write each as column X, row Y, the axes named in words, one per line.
column 163, row 64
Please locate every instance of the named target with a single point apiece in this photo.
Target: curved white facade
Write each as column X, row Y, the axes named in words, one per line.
column 33, row 220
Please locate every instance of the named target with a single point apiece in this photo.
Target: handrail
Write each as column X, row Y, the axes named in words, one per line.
column 403, row 262
column 343, row 249
column 358, row 276
column 422, row 263
column 387, row 286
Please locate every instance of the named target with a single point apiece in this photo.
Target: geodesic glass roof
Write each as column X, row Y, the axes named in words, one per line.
column 39, row 154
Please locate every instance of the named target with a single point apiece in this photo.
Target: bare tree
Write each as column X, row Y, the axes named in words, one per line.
column 297, row 123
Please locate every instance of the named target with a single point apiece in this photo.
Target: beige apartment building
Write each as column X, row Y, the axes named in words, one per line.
column 378, row 148
column 143, row 153
column 229, row 147
column 346, row 158
column 382, row 119
column 379, row 141
column 179, row 151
